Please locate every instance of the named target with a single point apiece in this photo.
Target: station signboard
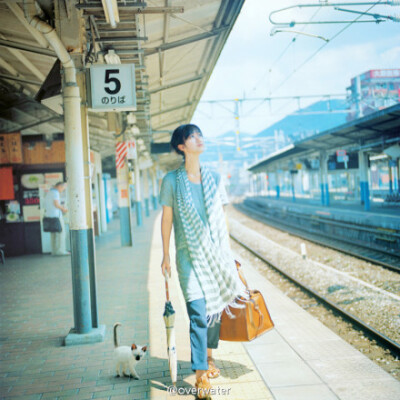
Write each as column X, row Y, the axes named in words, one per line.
column 340, row 155
column 111, row 87
column 348, row 161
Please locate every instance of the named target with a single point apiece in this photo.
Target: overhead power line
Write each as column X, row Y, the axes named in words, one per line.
column 269, row 70
column 308, row 59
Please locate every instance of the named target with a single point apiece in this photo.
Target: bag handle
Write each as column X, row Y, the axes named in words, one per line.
column 256, row 308
column 239, row 270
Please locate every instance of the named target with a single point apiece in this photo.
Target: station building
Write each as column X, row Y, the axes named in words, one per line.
column 373, row 90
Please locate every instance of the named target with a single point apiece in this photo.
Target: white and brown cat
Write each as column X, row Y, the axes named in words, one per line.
column 127, row 356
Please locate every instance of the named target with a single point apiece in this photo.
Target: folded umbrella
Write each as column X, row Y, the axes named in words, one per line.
column 169, row 319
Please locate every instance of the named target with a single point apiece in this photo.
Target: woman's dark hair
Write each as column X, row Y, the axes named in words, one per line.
column 181, row 133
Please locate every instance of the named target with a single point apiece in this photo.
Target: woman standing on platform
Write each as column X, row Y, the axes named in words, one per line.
column 192, row 198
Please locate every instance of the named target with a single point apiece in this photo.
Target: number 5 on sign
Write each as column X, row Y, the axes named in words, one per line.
column 112, row 87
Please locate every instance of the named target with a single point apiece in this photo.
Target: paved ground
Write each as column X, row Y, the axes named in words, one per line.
column 36, row 315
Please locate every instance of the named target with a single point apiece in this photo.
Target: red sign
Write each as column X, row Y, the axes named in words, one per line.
column 7, row 184
column 10, row 148
column 385, row 73
column 124, row 193
column 340, row 153
column 122, row 151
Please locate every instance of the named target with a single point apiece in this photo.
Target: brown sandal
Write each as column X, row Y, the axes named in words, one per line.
column 212, row 372
column 203, row 387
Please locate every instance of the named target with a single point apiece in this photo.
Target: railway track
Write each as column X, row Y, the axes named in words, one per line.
column 381, row 257
column 356, row 322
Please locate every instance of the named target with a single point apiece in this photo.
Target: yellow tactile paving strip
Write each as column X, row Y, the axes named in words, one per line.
column 239, row 377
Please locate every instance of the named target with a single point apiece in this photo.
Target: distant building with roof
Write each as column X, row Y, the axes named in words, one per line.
column 372, row 91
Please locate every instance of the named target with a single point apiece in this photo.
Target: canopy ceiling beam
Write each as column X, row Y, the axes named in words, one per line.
column 39, row 37
column 99, row 7
column 25, row 47
column 172, row 85
column 345, row 136
column 170, row 123
column 19, row 79
column 120, row 39
column 37, row 123
column 25, row 61
column 123, row 8
column 127, row 51
column 184, row 42
column 172, row 109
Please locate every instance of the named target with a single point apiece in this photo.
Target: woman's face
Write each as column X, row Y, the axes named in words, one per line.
column 193, row 144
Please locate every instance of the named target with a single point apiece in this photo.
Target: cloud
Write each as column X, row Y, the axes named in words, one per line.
column 391, row 56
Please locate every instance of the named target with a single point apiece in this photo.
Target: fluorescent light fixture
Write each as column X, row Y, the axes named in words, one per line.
column 135, row 130
column 131, row 118
column 112, row 58
column 110, row 8
column 379, row 157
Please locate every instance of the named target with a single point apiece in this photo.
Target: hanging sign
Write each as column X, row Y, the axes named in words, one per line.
column 112, row 87
column 30, row 197
column 342, row 157
column 132, row 153
column 145, row 163
column 10, row 148
column 340, row 154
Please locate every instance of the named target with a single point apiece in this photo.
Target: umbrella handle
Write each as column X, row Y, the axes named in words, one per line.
column 166, row 284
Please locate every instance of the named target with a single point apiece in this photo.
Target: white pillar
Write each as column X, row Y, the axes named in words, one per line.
column 103, row 205
column 154, row 185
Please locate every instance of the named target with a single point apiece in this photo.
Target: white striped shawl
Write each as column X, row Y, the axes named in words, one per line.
column 208, row 246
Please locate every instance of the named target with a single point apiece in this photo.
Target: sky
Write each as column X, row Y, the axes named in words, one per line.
column 254, row 64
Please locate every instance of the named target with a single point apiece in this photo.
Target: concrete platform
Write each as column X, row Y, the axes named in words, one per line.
column 300, row 359
column 36, row 314
column 303, row 359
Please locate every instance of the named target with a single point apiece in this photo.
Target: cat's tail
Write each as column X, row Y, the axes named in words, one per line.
column 115, row 334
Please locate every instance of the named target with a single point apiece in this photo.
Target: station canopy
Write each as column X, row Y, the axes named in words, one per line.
column 372, row 133
column 173, row 44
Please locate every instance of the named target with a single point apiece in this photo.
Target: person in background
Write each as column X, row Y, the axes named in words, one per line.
column 54, row 209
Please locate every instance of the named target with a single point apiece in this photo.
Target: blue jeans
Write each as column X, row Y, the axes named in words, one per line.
column 201, row 337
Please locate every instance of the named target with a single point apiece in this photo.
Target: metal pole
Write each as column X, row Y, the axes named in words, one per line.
column 324, row 185
column 293, row 191
column 138, row 204
column 363, row 157
column 278, row 194
column 145, row 177
column 124, row 203
column 154, row 185
column 81, row 79
column 77, row 203
column 390, row 177
column 398, row 174
column 103, row 205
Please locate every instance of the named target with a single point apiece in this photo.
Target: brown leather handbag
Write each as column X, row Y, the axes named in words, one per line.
column 249, row 321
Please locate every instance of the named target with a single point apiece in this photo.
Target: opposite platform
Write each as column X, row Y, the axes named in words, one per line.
column 378, row 217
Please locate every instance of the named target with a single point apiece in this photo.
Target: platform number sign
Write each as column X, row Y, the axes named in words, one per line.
column 112, row 87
